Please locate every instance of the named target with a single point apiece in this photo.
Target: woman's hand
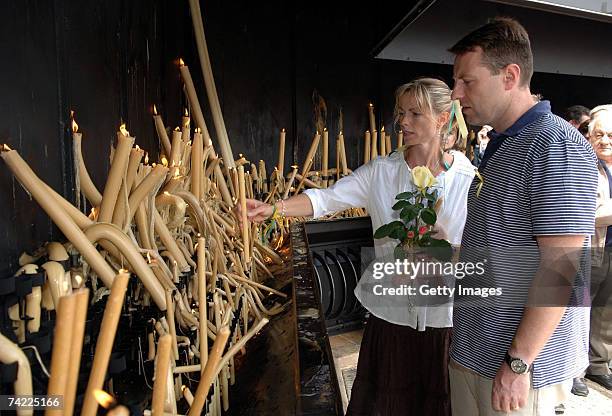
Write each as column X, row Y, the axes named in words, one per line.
column 257, row 211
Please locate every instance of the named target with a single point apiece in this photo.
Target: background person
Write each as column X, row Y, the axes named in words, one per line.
column 600, row 342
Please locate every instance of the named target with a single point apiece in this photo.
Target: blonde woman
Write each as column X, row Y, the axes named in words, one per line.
column 403, row 359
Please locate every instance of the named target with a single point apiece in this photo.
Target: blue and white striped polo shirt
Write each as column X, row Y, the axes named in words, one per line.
column 541, row 180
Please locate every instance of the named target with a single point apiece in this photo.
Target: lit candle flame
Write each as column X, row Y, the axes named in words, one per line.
column 137, row 147
column 198, row 130
column 382, row 129
column 186, row 112
column 146, row 158
column 6, row 148
column 283, row 130
column 149, row 258
column 181, row 62
column 75, row 126
column 103, row 398
column 177, row 129
column 371, row 105
column 164, row 162
column 123, row 130
column 154, row 110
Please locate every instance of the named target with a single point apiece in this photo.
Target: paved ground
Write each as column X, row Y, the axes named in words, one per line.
column 597, row 403
column 345, row 348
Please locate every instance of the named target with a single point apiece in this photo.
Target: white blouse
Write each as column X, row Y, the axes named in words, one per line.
column 374, row 186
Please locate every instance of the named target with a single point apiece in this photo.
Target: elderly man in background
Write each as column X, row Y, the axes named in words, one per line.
column 600, row 345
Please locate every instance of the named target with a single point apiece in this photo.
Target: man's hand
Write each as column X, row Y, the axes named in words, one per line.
column 257, row 211
column 510, row 390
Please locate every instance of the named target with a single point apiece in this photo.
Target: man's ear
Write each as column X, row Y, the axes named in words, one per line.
column 512, row 76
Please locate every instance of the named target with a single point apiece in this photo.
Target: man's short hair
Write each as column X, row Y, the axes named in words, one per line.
column 575, row 113
column 503, row 41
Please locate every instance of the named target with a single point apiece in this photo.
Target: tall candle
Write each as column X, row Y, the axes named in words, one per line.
column 263, row 175
column 325, row 157
column 210, row 371
column 383, row 142
column 61, row 348
column 168, row 241
column 161, row 132
column 104, row 345
column 281, row 152
column 87, row 186
column 243, row 212
column 290, row 181
column 209, row 82
column 203, row 303
column 162, row 366
column 46, row 199
column 400, row 139
column 116, row 175
column 175, row 154
column 171, row 322
column 197, row 156
column 343, row 155
column 371, row 117
column 76, row 348
column 150, row 182
column 119, row 212
column 309, row 159
column 367, row 145
column 374, row 151
column 387, row 144
column 186, row 125
column 196, row 110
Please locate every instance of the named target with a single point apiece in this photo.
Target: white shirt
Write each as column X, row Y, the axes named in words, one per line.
column 374, row 186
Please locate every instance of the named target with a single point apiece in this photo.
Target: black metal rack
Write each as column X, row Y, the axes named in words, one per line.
column 337, row 250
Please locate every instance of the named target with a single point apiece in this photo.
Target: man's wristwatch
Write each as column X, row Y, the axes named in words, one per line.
column 517, row 365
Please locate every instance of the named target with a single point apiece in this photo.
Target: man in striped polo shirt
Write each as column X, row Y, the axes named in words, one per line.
column 535, row 193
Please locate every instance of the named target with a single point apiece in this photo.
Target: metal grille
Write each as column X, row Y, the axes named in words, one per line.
column 336, row 250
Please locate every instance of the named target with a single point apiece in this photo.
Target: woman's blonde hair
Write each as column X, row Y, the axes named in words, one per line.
column 432, row 97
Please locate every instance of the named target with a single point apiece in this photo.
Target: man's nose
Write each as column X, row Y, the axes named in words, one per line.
column 457, row 93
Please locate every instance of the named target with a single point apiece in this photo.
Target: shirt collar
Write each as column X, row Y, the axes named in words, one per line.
column 540, row 108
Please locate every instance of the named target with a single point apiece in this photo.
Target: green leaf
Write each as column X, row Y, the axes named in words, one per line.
column 429, row 216
column 431, row 197
column 387, row 229
column 404, row 195
column 398, row 252
column 408, row 214
column 401, row 205
column 399, row 234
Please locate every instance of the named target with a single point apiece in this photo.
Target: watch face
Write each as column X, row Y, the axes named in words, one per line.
column 518, row 366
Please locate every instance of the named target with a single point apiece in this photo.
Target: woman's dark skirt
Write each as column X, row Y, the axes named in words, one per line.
column 401, row 371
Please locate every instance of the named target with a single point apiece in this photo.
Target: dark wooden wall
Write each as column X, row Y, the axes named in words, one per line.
column 112, row 60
